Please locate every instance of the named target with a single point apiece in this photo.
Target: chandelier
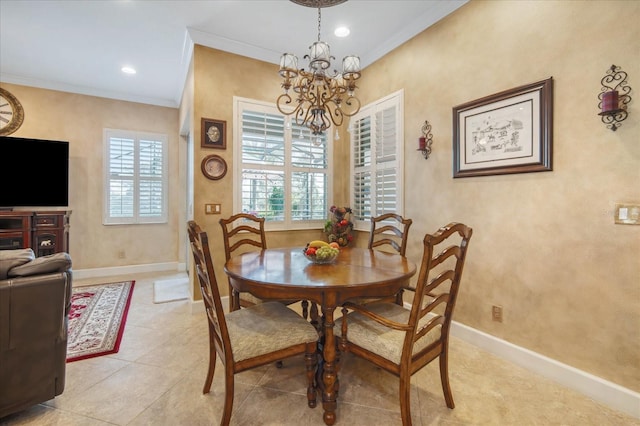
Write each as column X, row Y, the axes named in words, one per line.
column 321, row 98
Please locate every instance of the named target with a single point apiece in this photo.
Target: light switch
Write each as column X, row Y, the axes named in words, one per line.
column 627, row 214
column 212, row 208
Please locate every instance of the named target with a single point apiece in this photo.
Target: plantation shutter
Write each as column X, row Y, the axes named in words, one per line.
column 386, row 162
column 284, row 171
column 121, row 177
column 136, row 178
column 361, row 136
column 377, row 158
column 309, row 185
column 151, row 194
column 263, row 159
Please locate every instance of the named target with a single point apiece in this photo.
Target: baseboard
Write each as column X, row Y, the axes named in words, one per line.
column 197, row 306
column 600, row 390
column 128, row 269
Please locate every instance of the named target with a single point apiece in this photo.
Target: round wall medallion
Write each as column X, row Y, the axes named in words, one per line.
column 11, row 113
column 214, row 167
column 318, row 3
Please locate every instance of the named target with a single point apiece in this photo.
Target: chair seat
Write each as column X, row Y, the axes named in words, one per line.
column 258, row 330
column 384, row 341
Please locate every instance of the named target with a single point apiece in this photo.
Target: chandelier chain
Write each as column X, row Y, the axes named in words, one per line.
column 319, row 22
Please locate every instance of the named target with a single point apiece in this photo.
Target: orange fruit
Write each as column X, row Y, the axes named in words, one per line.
column 335, row 245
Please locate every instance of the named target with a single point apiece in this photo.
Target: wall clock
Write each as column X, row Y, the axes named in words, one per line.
column 214, row 167
column 11, row 113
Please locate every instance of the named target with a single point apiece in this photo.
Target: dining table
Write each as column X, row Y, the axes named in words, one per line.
column 287, row 274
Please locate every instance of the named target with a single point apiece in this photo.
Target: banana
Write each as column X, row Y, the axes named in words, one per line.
column 318, row 243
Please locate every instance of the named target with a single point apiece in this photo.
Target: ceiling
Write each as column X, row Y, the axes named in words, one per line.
column 80, row 46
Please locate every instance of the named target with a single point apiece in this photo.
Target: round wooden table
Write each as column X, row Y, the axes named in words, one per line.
column 285, row 274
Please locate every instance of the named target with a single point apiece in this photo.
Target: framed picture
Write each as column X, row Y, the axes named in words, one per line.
column 214, row 133
column 509, row 132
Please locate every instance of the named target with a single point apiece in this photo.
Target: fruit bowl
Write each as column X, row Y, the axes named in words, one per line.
column 315, row 259
column 320, row 252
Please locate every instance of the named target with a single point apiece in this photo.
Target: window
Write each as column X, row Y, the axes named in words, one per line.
column 135, row 167
column 281, row 172
column 377, row 160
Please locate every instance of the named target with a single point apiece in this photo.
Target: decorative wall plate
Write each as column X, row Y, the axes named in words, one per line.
column 214, row 167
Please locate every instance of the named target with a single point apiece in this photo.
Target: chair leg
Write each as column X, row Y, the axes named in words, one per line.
column 444, row 378
column 399, row 299
column 212, row 368
column 228, row 398
column 405, row 398
column 313, row 315
column 311, row 363
column 234, row 299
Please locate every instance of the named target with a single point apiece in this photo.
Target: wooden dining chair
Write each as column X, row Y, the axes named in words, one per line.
column 242, row 232
column 249, row 337
column 390, row 232
column 402, row 341
column 390, row 229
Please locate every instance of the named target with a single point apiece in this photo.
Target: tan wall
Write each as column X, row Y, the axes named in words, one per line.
column 80, row 120
column 545, row 247
column 219, row 76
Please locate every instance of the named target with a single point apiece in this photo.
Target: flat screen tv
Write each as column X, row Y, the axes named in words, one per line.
column 33, row 173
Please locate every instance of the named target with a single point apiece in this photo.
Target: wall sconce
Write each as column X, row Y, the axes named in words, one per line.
column 614, row 97
column 425, row 141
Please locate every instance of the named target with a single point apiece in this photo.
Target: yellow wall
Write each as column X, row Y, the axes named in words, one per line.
column 80, row 120
column 219, row 76
column 545, row 247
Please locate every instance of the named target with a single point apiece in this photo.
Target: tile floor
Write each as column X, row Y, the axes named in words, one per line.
column 157, row 376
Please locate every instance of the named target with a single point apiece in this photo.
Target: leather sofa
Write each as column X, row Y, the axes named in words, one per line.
column 35, row 298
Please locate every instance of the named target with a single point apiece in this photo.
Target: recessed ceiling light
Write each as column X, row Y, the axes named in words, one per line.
column 128, row 70
column 341, row 32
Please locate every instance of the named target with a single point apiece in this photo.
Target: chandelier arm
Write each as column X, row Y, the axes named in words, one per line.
column 336, row 114
column 285, row 100
column 351, row 101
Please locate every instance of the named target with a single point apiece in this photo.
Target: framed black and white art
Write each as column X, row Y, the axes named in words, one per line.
column 508, row 132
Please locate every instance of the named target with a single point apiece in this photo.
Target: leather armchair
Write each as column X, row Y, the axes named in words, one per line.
column 35, row 298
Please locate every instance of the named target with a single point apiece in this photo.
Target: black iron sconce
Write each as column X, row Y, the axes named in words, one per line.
column 614, row 97
column 425, row 141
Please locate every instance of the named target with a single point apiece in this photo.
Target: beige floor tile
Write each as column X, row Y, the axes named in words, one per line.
column 43, row 415
column 124, row 395
column 157, row 377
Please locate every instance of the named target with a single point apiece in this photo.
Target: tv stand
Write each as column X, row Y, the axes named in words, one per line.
column 46, row 232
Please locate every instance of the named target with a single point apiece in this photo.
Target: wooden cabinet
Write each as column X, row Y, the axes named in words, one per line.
column 46, row 232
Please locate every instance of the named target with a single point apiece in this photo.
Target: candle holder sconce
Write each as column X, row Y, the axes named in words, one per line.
column 614, row 97
column 425, row 141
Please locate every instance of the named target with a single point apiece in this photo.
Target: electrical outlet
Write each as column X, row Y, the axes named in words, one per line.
column 121, row 254
column 496, row 313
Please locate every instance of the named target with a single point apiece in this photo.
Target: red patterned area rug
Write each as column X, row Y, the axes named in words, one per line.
column 97, row 318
